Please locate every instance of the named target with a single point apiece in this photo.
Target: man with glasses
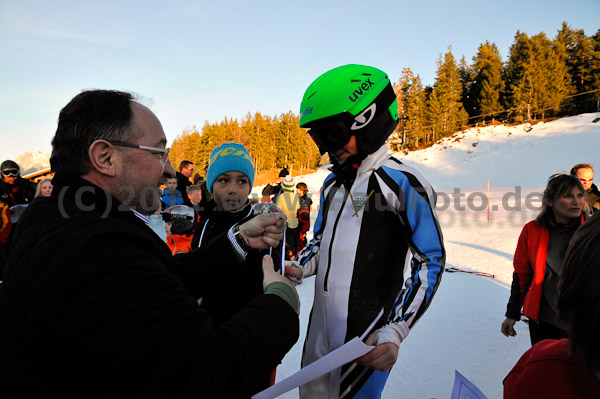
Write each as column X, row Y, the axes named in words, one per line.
column 186, row 170
column 93, row 305
column 585, row 173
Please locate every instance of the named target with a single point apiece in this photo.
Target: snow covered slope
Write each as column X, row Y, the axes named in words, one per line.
column 509, row 156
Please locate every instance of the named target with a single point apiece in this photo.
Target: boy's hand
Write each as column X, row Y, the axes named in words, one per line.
column 293, row 272
column 264, row 230
column 382, row 358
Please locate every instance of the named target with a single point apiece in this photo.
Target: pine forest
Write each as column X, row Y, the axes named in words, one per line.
column 542, row 78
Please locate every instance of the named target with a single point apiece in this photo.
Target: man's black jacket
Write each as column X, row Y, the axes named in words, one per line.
column 94, row 306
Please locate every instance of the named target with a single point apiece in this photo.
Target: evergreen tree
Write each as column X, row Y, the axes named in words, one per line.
column 466, row 76
column 447, row 114
column 536, row 77
column 413, row 116
column 594, row 81
column 518, row 86
column 487, row 84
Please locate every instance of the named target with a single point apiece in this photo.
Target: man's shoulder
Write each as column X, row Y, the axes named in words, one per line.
column 181, row 179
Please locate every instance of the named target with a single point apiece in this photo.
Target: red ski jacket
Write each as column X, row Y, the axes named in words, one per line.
column 530, row 266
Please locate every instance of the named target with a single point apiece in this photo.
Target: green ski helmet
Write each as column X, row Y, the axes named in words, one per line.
column 346, row 101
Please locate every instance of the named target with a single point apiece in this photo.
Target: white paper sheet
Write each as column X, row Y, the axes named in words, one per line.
column 342, row 355
column 465, row 389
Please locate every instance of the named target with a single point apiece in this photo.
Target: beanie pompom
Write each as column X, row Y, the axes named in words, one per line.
column 288, row 184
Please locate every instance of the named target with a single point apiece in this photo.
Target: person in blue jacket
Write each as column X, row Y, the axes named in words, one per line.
column 170, row 195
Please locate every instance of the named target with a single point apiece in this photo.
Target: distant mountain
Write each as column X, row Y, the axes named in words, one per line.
column 31, row 162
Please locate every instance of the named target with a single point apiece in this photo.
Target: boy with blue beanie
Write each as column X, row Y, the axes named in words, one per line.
column 229, row 179
column 229, row 157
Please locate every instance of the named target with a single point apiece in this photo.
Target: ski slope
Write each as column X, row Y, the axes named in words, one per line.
column 461, row 329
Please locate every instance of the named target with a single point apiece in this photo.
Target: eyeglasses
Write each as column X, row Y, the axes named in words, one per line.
column 10, row 172
column 164, row 152
column 581, row 179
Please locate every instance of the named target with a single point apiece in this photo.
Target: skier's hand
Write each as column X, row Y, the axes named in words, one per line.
column 508, row 327
column 292, row 271
column 382, row 358
column 264, row 230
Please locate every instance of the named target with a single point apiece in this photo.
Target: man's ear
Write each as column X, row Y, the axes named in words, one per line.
column 103, row 158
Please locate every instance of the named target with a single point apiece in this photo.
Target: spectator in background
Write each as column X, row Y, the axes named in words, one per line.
column 195, row 195
column 585, row 173
column 197, row 180
column 289, row 203
column 14, row 190
column 15, row 193
column 93, row 304
column 303, row 213
column 539, row 257
column 186, row 170
column 44, row 188
column 179, row 227
column 5, row 230
column 5, row 227
column 568, row 368
column 273, row 189
column 206, row 195
column 171, row 195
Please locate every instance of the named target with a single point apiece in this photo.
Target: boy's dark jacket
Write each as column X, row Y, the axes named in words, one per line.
column 245, row 283
column 94, row 306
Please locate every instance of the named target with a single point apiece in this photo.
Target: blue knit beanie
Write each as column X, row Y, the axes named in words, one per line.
column 229, row 157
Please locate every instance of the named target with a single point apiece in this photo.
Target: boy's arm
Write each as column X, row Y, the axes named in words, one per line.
column 416, row 210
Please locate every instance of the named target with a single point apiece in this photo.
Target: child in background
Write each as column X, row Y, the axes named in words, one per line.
column 289, row 203
column 171, row 196
column 179, row 222
column 195, row 195
column 303, row 213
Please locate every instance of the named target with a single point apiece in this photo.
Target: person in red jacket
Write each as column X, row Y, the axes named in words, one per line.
column 5, row 230
column 179, row 226
column 5, row 225
column 538, row 260
column 568, row 368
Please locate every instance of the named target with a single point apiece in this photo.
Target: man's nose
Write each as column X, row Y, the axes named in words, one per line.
column 169, row 170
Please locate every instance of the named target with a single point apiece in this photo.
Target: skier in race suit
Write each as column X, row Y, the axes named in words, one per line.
column 376, row 225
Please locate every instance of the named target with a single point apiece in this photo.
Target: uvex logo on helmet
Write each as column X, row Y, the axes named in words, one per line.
column 364, row 87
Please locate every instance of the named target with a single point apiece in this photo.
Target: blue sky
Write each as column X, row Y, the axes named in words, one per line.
column 197, row 61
